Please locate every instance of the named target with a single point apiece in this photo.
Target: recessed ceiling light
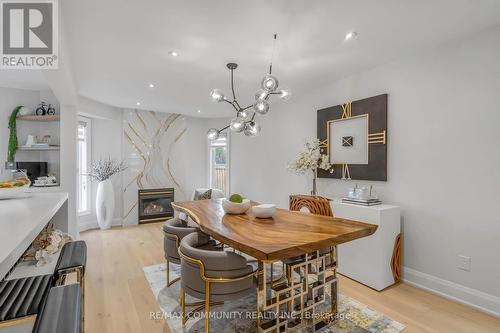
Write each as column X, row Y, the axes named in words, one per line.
column 174, row 53
column 199, row 111
column 350, row 35
column 138, row 103
column 151, row 85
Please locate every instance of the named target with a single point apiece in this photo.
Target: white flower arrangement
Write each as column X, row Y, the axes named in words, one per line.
column 310, row 159
column 105, row 168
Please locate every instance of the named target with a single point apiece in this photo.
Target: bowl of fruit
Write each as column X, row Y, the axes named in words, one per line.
column 236, row 204
column 14, row 188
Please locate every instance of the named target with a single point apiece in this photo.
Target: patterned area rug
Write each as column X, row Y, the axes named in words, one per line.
column 236, row 316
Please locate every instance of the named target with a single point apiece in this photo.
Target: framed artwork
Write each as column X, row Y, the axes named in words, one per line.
column 354, row 135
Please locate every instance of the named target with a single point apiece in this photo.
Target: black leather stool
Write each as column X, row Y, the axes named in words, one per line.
column 21, row 299
column 62, row 311
column 73, row 259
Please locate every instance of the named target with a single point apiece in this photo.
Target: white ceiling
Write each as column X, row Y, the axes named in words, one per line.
column 119, row 46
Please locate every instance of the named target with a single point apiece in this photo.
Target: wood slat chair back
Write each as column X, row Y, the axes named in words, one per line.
column 315, row 204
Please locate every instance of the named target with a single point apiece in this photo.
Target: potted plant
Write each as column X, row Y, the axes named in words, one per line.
column 311, row 159
column 12, row 147
column 101, row 171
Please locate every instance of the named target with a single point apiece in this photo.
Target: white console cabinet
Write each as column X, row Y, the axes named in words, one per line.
column 374, row 260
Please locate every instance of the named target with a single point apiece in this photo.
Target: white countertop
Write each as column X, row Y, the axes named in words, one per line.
column 21, row 220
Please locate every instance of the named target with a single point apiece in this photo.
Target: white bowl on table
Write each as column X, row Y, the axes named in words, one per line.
column 235, row 207
column 264, row 211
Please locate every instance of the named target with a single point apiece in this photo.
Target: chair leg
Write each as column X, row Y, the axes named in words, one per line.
column 207, row 307
column 183, row 306
column 169, row 283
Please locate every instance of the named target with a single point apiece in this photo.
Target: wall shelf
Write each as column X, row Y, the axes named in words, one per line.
column 55, row 117
column 49, row 148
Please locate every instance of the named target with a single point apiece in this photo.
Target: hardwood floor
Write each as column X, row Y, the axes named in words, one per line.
column 119, row 300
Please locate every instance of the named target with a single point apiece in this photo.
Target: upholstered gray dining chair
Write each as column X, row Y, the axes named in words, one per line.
column 213, row 275
column 178, row 227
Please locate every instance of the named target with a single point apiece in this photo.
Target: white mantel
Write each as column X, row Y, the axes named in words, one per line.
column 21, row 220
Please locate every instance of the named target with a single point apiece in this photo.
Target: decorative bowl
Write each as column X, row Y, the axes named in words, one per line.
column 264, row 211
column 234, row 207
column 11, row 186
column 14, row 192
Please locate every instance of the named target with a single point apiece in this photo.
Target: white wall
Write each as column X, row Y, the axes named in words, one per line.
column 443, row 160
column 106, row 140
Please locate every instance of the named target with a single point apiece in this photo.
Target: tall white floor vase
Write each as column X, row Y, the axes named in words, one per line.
column 105, row 204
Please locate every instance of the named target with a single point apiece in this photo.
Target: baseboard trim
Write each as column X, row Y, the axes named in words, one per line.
column 91, row 224
column 454, row 291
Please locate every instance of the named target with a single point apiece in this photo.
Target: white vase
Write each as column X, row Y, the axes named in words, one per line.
column 105, row 204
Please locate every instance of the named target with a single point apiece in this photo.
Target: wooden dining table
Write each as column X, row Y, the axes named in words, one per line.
column 288, row 234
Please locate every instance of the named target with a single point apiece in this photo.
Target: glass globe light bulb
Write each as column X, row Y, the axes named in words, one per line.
column 252, row 128
column 237, row 125
column 242, row 114
column 261, row 94
column 261, row 107
column 269, row 83
column 213, row 134
column 217, row 95
column 285, row 94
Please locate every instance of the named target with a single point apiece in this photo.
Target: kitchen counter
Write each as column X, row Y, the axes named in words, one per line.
column 22, row 219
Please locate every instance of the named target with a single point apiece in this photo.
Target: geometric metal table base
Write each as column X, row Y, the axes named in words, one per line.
column 300, row 300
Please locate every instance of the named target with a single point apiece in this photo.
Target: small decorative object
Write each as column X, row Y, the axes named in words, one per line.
column 30, row 141
column 50, row 180
column 362, row 196
column 45, row 245
column 12, row 148
column 311, row 159
column 347, row 141
column 101, row 171
column 264, row 211
column 243, row 122
column 41, row 110
column 50, row 110
column 25, row 111
column 46, row 139
column 236, row 204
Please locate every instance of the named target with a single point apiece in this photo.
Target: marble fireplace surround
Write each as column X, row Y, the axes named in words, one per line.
column 162, row 150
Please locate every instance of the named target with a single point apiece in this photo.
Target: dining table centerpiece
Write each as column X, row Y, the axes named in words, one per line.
column 236, row 204
column 310, row 159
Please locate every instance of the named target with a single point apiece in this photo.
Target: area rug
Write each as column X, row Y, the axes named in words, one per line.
column 354, row 317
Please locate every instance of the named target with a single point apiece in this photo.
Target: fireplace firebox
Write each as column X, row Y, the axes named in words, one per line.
column 155, row 205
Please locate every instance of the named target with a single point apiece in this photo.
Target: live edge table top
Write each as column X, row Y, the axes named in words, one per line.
column 287, row 234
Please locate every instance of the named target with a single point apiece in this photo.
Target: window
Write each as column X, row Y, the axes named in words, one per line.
column 219, row 163
column 83, row 165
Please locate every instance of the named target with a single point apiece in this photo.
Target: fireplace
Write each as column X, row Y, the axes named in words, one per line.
column 155, row 204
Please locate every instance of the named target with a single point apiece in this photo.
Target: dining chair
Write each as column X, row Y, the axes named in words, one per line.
column 174, row 231
column 212, row 275
column 317, row 205
column 177, row 228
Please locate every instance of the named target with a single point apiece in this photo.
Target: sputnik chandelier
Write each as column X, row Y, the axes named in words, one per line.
column 245, row 116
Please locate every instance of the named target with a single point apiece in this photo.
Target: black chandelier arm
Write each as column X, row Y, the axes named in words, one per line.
column 232, row 104
column 246, row 107
column 222, row 129
column 253, row 116
column 232, row 85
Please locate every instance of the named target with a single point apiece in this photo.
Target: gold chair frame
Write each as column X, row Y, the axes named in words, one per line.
column 177, row 244
column 208, row 281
